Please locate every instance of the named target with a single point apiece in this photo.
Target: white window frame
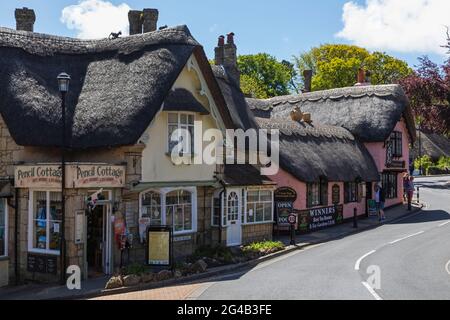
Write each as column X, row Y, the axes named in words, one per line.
column 161, row 204
column 179, row 114
column 6, row 227
column 163, row 192
column 215, row 196
column 31, row 222
column 245, row 206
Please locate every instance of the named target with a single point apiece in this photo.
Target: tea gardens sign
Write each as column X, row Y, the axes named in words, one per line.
column 77, row 176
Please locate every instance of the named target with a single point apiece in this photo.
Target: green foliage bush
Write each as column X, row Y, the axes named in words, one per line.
column 264, row 247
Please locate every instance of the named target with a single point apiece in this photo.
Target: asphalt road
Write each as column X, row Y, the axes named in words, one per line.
column 409, row 259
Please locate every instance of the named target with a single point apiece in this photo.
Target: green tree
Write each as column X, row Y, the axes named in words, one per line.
column 263, row 76
column 336, row 65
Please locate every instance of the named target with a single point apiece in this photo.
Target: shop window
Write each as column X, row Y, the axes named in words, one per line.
column 351, row 192
column 317, row 194
column 185, row 123
column 46, row 217
column 259, row 206
column 179, row 210
column 151, row 207
column 3, row 228
column 389, row 182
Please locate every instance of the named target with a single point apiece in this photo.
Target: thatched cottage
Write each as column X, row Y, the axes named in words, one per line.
column 127, row 95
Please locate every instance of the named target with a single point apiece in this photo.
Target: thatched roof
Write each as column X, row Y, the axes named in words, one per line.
column 117, row 86
column 368, row 112
column 433, row 145
column 244, row 175
column 311, row 151
column 237, row 106
column 183, row 100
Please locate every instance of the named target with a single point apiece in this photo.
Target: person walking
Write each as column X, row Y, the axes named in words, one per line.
column 405, row 184
column 380, row 199
column 410, row 191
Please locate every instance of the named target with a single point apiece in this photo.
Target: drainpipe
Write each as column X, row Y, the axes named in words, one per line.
column 220, row 220
column 16, row 236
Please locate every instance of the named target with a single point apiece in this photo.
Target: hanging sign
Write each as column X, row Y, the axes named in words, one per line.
column 336, row 194
column 38, row 176
column 284, row 203
column 96, row 176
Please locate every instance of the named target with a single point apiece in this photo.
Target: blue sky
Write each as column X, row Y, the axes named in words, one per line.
column 281, row 28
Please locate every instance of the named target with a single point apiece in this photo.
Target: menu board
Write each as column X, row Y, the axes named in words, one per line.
column 41, row 264
column 159, row 240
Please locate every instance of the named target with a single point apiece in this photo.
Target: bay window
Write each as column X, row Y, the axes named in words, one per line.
column 3, row 228
column 172, row 207
column 151, row 207
column 185, row 123
column 259, row 206
column 179, row 210
column 45, row 221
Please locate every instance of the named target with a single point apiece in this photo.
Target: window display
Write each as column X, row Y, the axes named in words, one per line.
column 47, row 215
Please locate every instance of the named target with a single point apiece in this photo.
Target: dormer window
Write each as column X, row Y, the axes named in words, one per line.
column 184, row 123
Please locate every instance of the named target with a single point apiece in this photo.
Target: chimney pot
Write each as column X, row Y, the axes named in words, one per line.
column 150, row 20
column 230, row 38
column 25, row 19
column 221, row 41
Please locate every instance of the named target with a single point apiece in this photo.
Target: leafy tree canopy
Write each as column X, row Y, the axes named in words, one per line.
column 336, row 65
column 263, row 76
column 428, row 90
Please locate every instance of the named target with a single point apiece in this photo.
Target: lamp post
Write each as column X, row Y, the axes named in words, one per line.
column 63, row 84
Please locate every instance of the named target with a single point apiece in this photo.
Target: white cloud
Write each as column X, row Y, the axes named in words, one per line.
column 95, row 19
column 397, row 25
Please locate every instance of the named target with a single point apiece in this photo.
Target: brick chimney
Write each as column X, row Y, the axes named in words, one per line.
column 226, row 55
column 307, row 75
column 135, row 20
column 150, row 20
column 363, row 78
column 219, row 52
column 25, row 19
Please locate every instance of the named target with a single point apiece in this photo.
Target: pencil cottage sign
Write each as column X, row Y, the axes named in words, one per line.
column 77, row 176
column 39, row 176
column 97, row 176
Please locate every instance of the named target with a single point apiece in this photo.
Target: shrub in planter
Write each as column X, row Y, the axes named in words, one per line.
column 263, row 248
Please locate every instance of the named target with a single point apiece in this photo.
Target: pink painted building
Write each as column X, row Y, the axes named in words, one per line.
column 356, row 137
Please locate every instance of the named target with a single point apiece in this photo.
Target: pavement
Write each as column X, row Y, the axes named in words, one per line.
column 407, row 258
column 296, row 273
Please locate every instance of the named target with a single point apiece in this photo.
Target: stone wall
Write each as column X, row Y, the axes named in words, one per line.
column 257, row 232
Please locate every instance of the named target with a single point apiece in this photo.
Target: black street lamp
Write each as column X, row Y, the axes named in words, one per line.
column 63, row 84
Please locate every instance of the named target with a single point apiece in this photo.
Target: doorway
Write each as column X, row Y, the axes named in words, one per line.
column 96, row 241
column 234, row 218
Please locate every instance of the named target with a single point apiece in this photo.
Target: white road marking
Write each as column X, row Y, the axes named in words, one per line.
column 444, row 224
column 447, row 267
column 357, row 264
column 407, row 237
column 371, row 290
